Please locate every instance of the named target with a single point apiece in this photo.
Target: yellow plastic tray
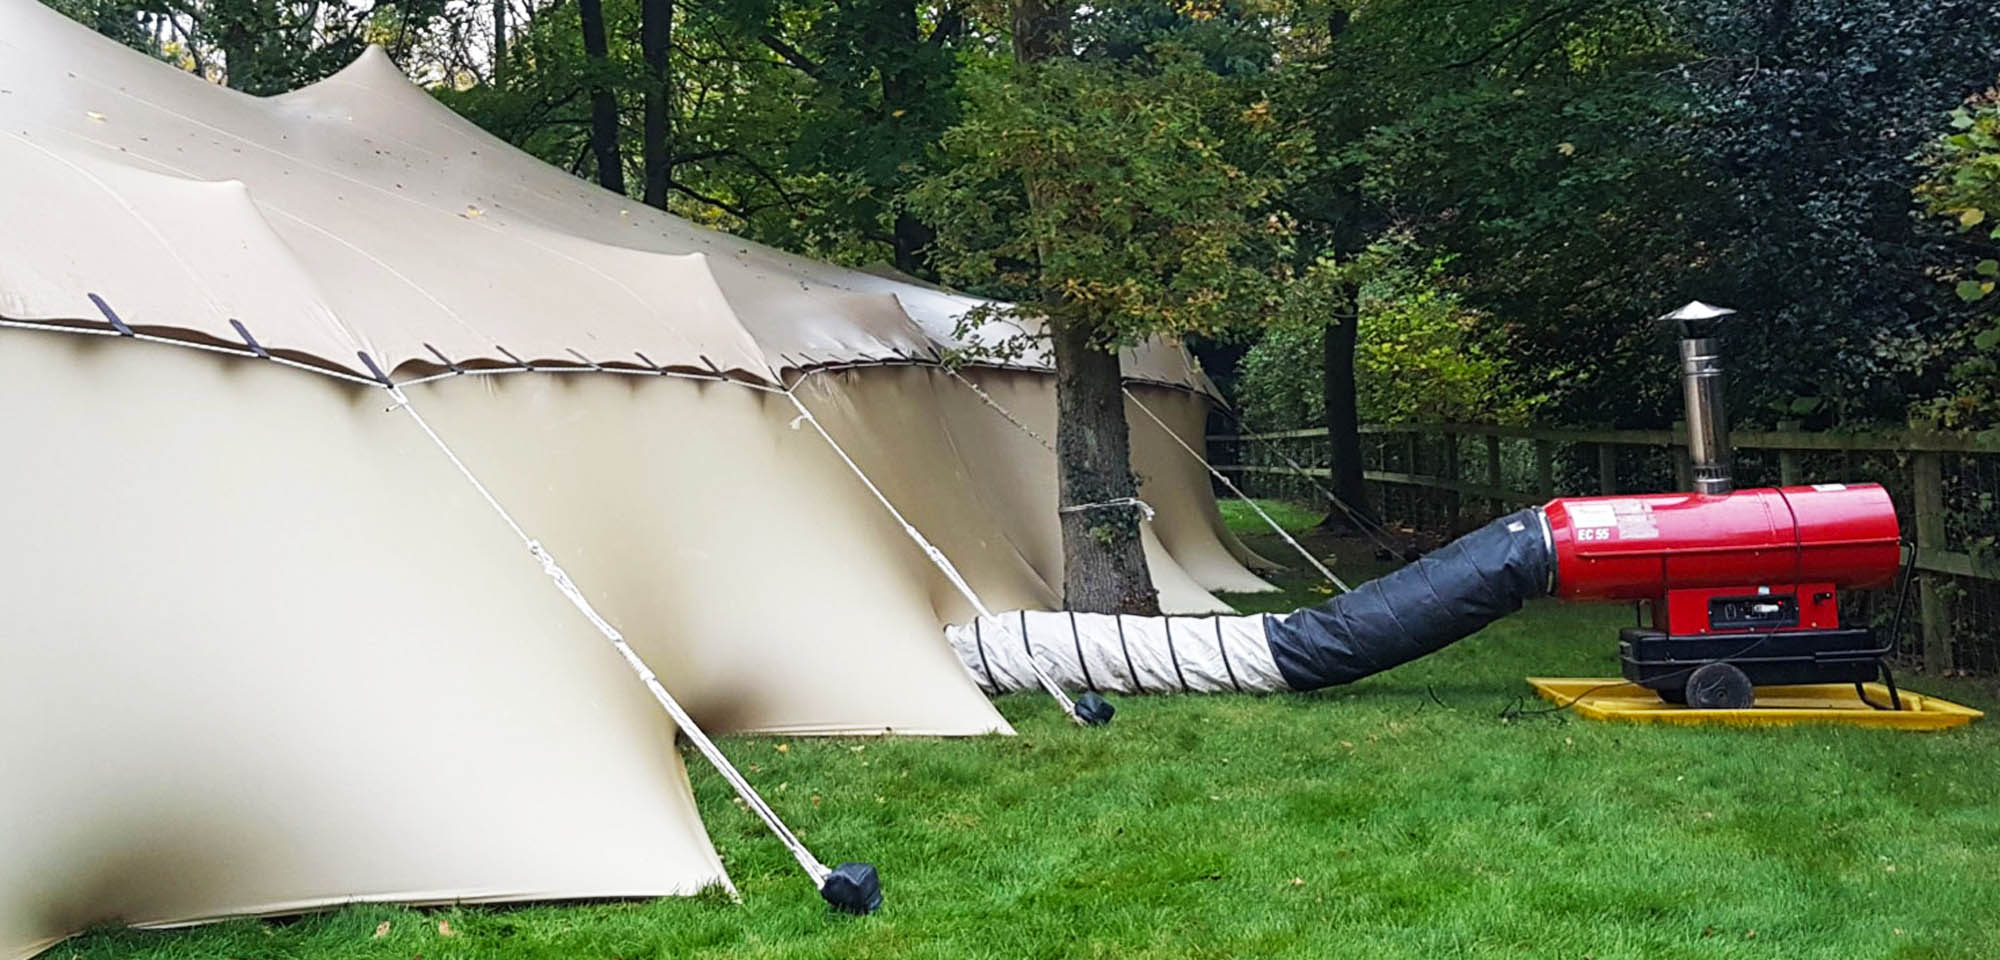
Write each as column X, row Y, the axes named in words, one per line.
column 1608, row 698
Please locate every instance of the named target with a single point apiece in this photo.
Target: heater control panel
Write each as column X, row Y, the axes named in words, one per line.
column 1747, row 609
column 1761, row 612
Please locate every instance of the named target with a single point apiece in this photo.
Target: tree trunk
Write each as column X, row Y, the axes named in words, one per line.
column 499, row 42
column 1343, row 422
column 912, row 240
column 656, row 41
column 1104, row 560
column 1039, row 26
column 910, row 237
column 603, row 103
column 239, row 32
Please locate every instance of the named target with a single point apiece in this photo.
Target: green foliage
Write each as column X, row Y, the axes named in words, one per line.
column 1963, row 186
column 1152, row 184
column 1421, row 355
column 262, row 47
column 1809, row 115
column 1576, row 168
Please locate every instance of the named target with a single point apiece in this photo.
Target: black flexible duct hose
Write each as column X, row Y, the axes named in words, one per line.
column 1444, row 597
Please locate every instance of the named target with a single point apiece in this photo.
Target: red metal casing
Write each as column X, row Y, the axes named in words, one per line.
column 1682, row 549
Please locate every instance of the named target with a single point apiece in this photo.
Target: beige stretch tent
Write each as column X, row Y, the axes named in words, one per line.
column 265, row 648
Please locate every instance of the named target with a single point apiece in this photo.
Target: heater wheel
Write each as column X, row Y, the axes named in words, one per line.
column 1719, row 686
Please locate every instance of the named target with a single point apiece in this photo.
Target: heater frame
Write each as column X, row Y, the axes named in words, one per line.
column 1664, row 662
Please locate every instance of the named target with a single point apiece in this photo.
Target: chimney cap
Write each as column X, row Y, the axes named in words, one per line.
column 1697, row 319
column 1697, row 310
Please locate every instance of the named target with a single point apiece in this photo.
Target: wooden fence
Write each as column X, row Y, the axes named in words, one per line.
column 1446, row 478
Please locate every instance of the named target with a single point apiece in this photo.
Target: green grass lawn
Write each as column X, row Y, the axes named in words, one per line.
column 1402, row 817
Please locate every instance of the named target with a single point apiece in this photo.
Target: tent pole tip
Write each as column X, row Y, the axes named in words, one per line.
column 853, row 887
column 1093, row 710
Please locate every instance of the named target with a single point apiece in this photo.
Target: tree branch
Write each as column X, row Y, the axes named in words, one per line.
column 791, row 54
column 950, row 23
column 741, row 213
column 1526, row 30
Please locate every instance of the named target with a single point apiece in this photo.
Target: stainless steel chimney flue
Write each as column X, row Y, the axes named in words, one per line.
column 1701, row 386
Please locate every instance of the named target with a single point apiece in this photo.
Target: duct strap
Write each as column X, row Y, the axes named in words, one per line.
column 813, row 868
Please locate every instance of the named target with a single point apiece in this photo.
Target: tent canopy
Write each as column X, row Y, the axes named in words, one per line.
column 360, row 215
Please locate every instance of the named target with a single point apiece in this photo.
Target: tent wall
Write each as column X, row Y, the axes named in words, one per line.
column 1179, row 487
column 277, row 654
column 1190, row 552
column 740, row 557
column 263, row 651
column 985, row 491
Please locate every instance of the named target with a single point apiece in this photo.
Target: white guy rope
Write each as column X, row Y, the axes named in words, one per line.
column 1303, row 552
column 625, row 371
column 813, row 868
column 171, row 342
column 1372, row 528
column 1003, row 411
column 937, row 557
column 1145, row 509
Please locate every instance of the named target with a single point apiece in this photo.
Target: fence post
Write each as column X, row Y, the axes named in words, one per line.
column 1932, row 608
column 1453, row 502
column 1607, row 469
column 1413, row 496
column 1683, row 466
column 1788, row 460
column 1493, row 471
column 1545, row 467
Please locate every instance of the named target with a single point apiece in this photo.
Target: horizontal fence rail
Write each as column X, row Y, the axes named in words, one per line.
column 1445, row 478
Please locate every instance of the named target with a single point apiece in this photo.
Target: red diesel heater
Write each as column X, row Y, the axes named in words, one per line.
column 1737, row 588
column 1749, row 579
column 1743, row 585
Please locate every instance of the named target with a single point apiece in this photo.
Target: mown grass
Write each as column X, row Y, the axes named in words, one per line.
column 1413, row 815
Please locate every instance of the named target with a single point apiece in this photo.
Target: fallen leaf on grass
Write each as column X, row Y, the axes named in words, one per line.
column 381, row 929
column 445, row 930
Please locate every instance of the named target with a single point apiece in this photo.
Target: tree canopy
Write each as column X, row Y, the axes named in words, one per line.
column 1492, row 197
